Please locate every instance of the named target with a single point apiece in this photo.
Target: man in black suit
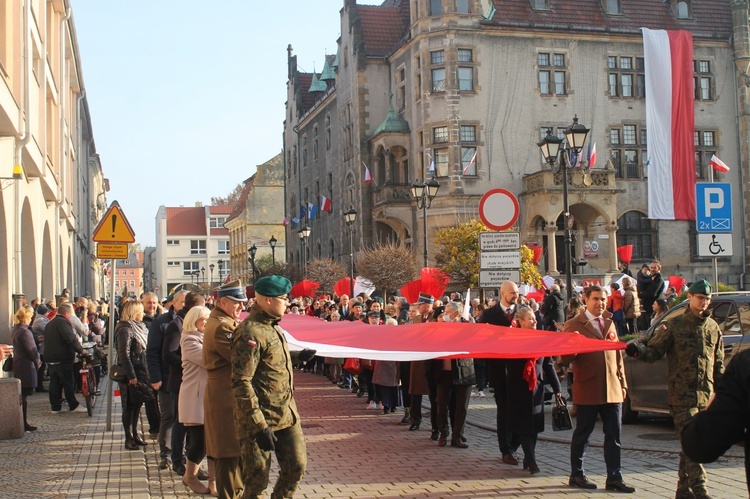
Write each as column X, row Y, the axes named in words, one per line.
column 502, row 314
column 344, row 306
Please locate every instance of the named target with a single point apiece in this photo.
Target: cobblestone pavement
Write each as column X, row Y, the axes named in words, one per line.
column 352, row 452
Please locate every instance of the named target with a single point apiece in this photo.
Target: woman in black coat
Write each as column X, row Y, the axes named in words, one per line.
column 131, row 338
column 26, row 359
column 525, row 394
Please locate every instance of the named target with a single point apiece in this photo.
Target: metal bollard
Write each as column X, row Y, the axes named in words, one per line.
column 11, row 413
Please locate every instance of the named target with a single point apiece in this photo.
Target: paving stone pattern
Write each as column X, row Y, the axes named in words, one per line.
column 352, row 453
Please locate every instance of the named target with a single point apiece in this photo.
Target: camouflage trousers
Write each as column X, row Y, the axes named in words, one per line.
column 691, row 476
column 291, row 455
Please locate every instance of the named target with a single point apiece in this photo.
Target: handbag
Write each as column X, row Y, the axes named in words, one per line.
column 117, row 373
column 8, row 366
column 352, row 366
column 141, row 393
column 560, row 416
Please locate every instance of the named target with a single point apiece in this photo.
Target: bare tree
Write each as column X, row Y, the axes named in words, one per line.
column 387, row 265
column 325, row 272
column 231, row 199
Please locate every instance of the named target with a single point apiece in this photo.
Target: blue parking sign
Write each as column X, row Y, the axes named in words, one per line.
column 713, row 202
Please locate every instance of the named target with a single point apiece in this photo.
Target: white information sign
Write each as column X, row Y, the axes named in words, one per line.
column 715, row 245
column 500, row 260
column 494, row 278
column 499, row 241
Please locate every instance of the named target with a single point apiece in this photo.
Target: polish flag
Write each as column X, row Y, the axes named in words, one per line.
column 368, row 177
column 285, row 222
column 718, row 164
column 670, row 121
column 592, row 155
column 325, row 204
column 473, row 160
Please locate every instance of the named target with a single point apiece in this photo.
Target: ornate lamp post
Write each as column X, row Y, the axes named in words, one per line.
column 304, row 233
column 252, row 250
column 423, row 194
column 556, row 152
column 221, row 270
column 203, row 275
column 211, row 273
column 351, row 216
column 272, row 244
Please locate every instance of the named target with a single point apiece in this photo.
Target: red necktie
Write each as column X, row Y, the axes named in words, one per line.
column 601, row 324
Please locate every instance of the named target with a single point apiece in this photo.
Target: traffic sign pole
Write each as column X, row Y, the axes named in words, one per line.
column 111, row 341
column 715, row 259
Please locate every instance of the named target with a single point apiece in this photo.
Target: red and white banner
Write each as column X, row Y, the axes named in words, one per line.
column 670, row 123
column 718, row 164
column 432, row 340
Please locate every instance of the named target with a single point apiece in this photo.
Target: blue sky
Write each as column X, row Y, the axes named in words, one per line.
column 187, row 99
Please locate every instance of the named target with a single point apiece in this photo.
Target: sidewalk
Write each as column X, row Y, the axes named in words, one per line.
column 352, row 452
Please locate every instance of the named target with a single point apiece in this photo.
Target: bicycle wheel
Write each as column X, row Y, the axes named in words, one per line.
column 91, row 397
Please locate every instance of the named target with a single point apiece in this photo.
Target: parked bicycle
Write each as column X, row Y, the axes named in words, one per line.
column 89, row 387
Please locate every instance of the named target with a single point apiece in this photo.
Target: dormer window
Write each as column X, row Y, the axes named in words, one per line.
column 682, row 9
column 540, row 4
column 613, row 6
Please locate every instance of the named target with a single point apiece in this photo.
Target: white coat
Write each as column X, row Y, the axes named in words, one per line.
column 193, row 378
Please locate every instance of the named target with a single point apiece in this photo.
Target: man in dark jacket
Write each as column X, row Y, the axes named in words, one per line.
column 172, row 356
column 158, row 372
column 553, row 308
column 150, row 304
column 502, row 314
column 61, row 345
column 651, row 292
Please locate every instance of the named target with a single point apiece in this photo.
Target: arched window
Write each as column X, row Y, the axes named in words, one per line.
column 635, row 228
column 682, row 9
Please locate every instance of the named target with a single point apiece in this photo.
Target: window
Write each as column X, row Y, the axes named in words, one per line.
column 223, row 247
column 462, row 6
column 173, row 242
column 468, row 136
column 132, row 272
column 328, row 132
column 315, row 142
column 552, row 74
column 626, row 76
column 635, row 228
column 440, row 134
column 173, row 264
column 540, row 4
column 189, row 267
column 401, row 89
column 682, row 9
column 612, row 6
column 705, row 147
column 703, row 80
column 438, row 80
column 198, row 247
column 441, row 162
column 217, row 222
column 132, row 284
column 304, row 151
column 628, row 151
column 437, row 57
column 466, row 79
column 436, row 7
column 465, row 55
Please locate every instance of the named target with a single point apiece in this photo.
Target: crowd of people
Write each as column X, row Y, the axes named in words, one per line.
column 219, row 387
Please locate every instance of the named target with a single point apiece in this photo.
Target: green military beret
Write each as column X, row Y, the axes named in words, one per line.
column 700, row 287
column 273, row 285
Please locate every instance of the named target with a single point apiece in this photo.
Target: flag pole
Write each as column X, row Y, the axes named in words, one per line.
column 715, row 258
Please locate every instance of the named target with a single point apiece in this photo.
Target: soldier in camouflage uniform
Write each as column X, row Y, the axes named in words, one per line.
column 695, row 355
column 265, row 414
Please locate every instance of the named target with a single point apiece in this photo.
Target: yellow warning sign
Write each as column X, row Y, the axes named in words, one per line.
column 114, row 227
column 112, row 251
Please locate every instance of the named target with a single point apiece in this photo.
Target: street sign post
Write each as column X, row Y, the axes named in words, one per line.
column 499, row 241
column 112, row 251
column 492, row 260
column 499, row 209
column 713, row 203
column 495, row 278
column 715, row 245
column 114, row 227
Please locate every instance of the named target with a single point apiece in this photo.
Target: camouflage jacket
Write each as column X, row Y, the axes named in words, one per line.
column 695, row 357
column 262, row 379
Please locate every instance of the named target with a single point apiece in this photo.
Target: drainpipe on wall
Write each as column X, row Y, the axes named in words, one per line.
column 63, row 147
column 18, row 163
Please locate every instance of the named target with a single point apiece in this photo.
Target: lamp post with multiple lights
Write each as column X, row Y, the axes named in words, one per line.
column 351, row 216
column 423, row 194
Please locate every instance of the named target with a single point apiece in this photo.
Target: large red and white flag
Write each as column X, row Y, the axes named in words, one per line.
column 718, row 164
column 325, row 204
column 670, row 122
column 368, row 176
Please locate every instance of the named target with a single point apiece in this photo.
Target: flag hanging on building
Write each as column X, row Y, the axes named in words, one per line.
column 432, row 169
column 718, row 164
column 295, row 222
column 285, row 222
column 670, row 123
column 473, row 160
column 592, row 155
column 325, row 204
column 312, row 211
column 368, row 177
column 302, row 211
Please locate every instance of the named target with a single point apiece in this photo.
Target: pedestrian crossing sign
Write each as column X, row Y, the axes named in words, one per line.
column 114, row 227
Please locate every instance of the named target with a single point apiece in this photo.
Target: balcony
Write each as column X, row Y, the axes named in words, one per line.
column 547, row 180
column 390, row 194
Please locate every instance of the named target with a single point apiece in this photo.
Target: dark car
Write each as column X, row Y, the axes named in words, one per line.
column 647, row 382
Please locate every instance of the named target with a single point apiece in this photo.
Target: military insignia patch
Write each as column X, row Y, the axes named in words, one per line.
column 251, row 343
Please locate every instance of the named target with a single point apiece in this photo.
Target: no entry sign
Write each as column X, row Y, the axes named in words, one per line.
column 499, row 209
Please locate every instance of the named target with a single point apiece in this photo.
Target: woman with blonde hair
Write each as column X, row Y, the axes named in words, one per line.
column 131, row 338
column 26, row 358
column 190, row 403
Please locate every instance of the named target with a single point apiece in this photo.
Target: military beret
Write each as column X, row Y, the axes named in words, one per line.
column 273, row 285
column 700, row 287
column 357, row 304
column 42, row 309
column 232, row 290
column 426, row 298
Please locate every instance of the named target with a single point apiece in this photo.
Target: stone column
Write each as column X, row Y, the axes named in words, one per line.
column 551, row 249
column 612, row 231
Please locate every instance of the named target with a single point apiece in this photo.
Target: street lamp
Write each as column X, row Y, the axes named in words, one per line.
column 252, row 250
column 424, row 194
column 221, row 270
column 211, row 273
column 272, row 244
column 196, row 273
column 351, row 216
column 556, row 152
column 203, row 274
column 304, row 233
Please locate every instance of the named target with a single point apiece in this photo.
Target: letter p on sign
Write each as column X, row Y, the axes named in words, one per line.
column 714, row 200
